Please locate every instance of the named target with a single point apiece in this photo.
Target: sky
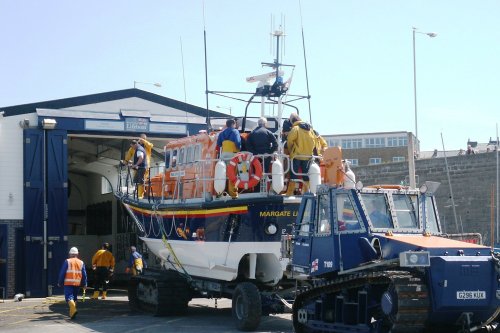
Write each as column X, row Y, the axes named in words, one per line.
column 359, row 58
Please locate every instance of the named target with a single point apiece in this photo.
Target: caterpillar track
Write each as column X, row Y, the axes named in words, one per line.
column 389, row 301
column 162, row 294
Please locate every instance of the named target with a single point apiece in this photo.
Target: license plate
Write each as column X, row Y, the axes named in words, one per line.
column 478, row 294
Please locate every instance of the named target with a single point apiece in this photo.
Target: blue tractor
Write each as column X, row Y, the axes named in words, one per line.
column 375, row 259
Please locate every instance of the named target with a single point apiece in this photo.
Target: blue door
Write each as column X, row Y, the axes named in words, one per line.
column 35, row 275
column 304, row 226
column 45, row 181
column 57, row 203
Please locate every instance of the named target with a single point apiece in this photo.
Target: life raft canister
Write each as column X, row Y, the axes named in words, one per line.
column 254, row 170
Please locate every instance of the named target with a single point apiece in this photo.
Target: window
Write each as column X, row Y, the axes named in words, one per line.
column 324, row 223
column 106, row 186
column 398, row 158
column 377, row 210
column 375, row 160
column 182, row 156
column 197, row 152
column 399, row 141
column 333, row 142
column 374, row 142
column 189, row 155
column 174, row 158
column 404, row 207
column 352, row 143
column 306, row 219
column 168, row 153
column 353, row 162
column 346, row 216
column 432, row 224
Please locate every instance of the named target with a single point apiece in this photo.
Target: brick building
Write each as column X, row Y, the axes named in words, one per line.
column 373, row 148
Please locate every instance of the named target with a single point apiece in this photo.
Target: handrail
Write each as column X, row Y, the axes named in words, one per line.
column 200, row 181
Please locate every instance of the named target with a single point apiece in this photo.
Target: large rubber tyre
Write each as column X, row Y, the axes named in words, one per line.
column 247, row 306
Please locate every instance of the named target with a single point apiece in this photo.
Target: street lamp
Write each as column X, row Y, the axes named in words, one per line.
column 430, row 34
column 154, row 84
column 226, row 108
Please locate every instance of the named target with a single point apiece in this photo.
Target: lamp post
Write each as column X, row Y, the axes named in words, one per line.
column 430, row 34
column 226, row 108
column 154, row 84
column 47, row 125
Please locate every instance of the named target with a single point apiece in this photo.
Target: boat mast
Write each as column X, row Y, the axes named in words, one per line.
column 498, row 216
column 209, row 125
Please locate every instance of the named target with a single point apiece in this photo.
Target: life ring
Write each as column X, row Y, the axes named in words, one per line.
column 254, row 171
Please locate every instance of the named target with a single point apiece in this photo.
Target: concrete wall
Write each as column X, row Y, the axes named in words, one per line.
column 11, row 166
column 472, row 178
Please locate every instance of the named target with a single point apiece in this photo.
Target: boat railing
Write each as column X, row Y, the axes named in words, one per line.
column 195, row 182
column 298, row 173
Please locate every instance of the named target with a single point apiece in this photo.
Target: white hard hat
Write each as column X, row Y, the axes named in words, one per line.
column 73, row 250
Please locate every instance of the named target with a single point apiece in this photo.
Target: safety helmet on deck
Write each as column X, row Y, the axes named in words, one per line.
column 73, row 250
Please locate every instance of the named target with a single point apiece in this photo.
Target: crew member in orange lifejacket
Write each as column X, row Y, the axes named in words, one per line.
column 72, row 276
column 229, row 140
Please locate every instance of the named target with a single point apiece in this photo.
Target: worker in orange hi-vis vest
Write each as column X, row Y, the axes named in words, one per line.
column 72, row 276
column 103, row 264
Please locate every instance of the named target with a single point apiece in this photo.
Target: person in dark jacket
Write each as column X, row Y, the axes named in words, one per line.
column 262, row 141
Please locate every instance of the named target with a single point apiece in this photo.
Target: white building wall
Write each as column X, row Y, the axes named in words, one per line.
column 157, row 111
column 12, row 165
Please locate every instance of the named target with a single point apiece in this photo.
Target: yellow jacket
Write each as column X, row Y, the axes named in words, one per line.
column 103, row 258
column 301, row 140
column 148, row 147
column 321, row 145
column 129, row 156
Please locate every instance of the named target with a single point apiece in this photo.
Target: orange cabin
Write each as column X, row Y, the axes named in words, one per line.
column 189, row 168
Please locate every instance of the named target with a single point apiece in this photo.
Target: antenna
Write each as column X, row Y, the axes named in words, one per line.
column 305, row 64
column 498, row 180
column 449, row 182
column 184, row 81
column 209, row 125
column 183, row 73
column 283, row 23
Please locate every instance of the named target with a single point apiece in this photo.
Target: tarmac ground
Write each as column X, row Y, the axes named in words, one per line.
column 113, row 315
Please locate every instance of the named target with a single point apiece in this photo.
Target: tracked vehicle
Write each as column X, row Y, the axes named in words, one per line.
column 374, row 259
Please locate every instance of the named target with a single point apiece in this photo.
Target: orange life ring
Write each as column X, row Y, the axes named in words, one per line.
column 254, row 171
